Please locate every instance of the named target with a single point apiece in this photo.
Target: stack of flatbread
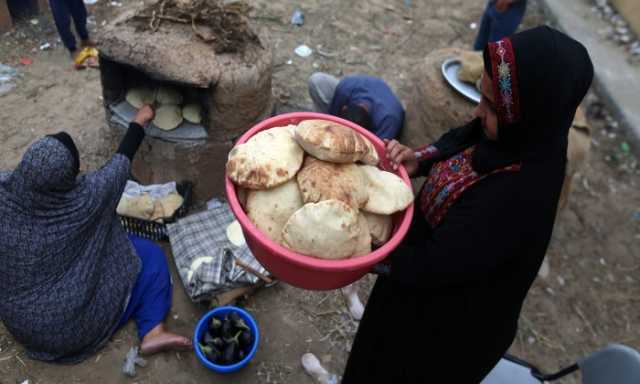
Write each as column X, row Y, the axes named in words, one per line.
column 172, row 109
column 316, row 189
column 145, row 207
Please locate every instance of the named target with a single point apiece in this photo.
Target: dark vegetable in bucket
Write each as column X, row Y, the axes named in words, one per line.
column 218, row 342
column 215, row 326
column 246, row 340
column 229, row 354
column 208, row 338
column 227, row 328
column 212, row 353
column 226, row 341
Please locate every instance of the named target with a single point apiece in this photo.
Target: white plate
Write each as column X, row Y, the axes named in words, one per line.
column 450, row 69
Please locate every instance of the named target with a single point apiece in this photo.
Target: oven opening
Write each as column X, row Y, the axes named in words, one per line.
column 181, row 110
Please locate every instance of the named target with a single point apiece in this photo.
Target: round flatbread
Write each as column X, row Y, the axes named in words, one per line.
column 192, row 113
column 235, row 235
column 268, row 159
column 320, row 180
column 333, row 142
column 380, row 227
column 168, row 117
column 170, row 204
column 364, row 237
column 139, row 207
column 158, row 212
column 242, row 197
column 270, row 209
column 140, row 96
column 472, row 67
column 371, row 157
column 168, row 96
column 387, row 192
column 328, row 230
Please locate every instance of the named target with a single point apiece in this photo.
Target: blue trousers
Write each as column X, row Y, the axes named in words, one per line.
column 496, row 25
column 65, row 10
column 151, row 296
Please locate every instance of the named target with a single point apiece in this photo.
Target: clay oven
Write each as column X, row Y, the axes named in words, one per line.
column 232, row 90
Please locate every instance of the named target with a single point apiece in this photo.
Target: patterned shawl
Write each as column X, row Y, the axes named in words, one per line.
column 66, row 264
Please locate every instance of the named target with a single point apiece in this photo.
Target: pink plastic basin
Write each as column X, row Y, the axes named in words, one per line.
column 306, row 271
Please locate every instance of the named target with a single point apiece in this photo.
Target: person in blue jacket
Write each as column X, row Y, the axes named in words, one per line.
column 365, row 100
column 501, row 18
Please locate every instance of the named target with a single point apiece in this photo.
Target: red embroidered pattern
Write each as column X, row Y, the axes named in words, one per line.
column 426, row 152
column 446, row 182
column 505, row 81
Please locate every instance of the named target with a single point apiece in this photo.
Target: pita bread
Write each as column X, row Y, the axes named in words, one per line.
column 371, row 158
column 140, row 96
column 268, row 159
column 472, row 67
column 242, row 197
column 192, row 113
column 333, row 142
column 168, row 117
column 270, row 209
column 139, row 207
column 158, row 212
column 168, row 96
column 170, row 204
column 380, row 227
column 388, row 193
column 320, row 180
column 235, row 235
column 364, row 237
column 328, row 230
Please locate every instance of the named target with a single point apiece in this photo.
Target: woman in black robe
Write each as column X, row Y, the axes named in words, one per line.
column 449, row 308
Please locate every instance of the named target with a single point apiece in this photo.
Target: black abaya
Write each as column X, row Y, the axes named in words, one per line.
column 449, row 310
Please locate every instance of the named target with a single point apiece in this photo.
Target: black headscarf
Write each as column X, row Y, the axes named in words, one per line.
column 550, row 74
column 478, row 264
column 68, row 142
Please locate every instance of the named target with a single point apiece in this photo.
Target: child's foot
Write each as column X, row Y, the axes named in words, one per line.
column 74, row 59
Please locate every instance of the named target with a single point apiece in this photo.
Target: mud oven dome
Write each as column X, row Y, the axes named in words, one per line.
column 233, row 91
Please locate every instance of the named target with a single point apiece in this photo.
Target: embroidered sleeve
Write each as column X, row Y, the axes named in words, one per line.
column 426, row 152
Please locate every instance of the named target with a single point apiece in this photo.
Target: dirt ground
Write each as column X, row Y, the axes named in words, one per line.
column 588, row 297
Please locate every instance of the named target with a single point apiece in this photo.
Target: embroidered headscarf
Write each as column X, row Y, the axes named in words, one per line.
column 66, row 264
column 539, row 78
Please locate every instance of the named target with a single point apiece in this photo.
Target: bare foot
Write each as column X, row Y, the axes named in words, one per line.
column 159, row 340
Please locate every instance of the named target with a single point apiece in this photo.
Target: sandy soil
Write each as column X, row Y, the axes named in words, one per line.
column 588, row 298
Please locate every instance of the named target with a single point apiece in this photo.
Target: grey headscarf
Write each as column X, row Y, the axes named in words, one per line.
column 66, row 264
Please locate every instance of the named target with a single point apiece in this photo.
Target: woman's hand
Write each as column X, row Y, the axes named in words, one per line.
column 401, row 154
column 144, row 115
column 503, row 5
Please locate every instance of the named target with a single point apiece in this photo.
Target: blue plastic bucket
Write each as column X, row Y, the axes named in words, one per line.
column 220, row 313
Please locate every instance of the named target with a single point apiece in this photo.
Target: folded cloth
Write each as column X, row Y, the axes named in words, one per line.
column 205, row 256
